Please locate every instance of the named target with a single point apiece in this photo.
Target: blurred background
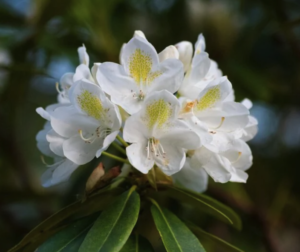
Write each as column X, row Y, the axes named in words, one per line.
column 257, row 45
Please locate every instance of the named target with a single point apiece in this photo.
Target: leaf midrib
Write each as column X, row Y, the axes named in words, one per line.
column 169, row 227
column 210, row 206
column 74, row 238
column 113, row 226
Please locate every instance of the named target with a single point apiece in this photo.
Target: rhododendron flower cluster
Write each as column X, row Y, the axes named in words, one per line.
column 178, row 114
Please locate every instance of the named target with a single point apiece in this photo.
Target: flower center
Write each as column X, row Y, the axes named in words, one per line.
column 189, row 107
column 99, row 133
column 155, row 147
column 138, row 95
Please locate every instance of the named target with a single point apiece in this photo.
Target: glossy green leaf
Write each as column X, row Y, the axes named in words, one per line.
column 112, row 229
column 76, row 243
column 137, row 243
column 216, row 241
column 174, row 233
column 95, row 203
column 67, row 236
column 206, row 204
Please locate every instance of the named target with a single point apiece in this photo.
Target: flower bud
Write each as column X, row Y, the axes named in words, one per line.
column 169, row 52
column 185, row 50
column 83, row 56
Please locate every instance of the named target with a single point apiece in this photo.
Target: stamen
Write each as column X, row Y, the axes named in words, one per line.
column 43, row 160
column 221, row 123
column 57, row 88
column 189, row 106
column 239, row 155
column 87, row 140
column 50, row 165
column 156, row 148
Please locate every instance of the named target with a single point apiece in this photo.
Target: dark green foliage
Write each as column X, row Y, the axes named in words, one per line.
column 175, row 234
column 113, row 227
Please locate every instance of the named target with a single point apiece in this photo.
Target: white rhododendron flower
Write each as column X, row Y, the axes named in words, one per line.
column 229, row 165
column 140, row 74
column 89, row 125
column 81, row 72
column 200, row 71
column 157, row 136
column 62, row 168
column 179, row 114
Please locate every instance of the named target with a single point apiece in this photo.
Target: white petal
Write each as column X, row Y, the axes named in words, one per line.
column 214, row 71
column 120, row 55
column 220, row 142
column 139, row 34
column 82, row 72
column 141, row 46
column 43, row 113
column 83, row 56
column 122, row 89
column 199, row 128
column 193, row 178
column 47, row 176
column 169, row 52
column 200, row 44
column 80, row 152
column 56, row 142
column 63, row 172
column 185, row 50
column 135, row 130
column 51, row 108
column 247, row 103
column 95, row 69
column 66, row 121
column 229, row 117
column 137, row 156
column 172, row 161
column 171, row 77
column 230, row 97
column 218, row 167
column 42, row 143
column 179, row 135
column 159, row 109
column 239, row 155
column 239, row 176
column 200, row 66
column 251, row 129
column 213, row 94
column 66, row 81
column 89, row 99
column 106, row 143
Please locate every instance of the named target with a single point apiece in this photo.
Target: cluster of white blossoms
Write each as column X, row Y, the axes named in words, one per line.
column 178, row 113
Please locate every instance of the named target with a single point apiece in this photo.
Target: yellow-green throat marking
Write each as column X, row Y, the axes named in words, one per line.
column 158, row 113
column 91, row 104
column 140, row 66
column 209, row 99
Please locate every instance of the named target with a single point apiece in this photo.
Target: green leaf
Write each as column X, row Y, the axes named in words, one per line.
column 137, row 243
column 216, row 241
column 75, row 244
column 67, row 236
column 206, row 204
column 112, row 229
column 96, row 202
column 175, row 234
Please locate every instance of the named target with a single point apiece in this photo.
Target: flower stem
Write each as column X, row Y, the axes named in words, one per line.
column 122, row 141
column 118, row 147
column 123, row 160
